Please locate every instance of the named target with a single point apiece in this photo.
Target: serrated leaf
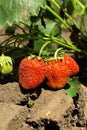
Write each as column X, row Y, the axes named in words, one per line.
column 72, row 86
column 10, row 11
column 19, row 10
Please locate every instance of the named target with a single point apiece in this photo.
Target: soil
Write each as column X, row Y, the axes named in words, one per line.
column 50, row 109
column 44, row 110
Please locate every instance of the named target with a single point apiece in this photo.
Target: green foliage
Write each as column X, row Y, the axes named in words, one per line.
column 10, row 30
column 19, row 10
column 22, row 10
column 40, row 18
column 35, row 5
column 51, row 28
column 10, row 11
column 72, row 87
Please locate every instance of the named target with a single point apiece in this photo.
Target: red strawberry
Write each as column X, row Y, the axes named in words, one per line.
column 57, row 75
column 73, row 67
column 32, row 72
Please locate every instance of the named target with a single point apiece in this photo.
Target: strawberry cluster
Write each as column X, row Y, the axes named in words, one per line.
column 59, row 71
column 33, row 71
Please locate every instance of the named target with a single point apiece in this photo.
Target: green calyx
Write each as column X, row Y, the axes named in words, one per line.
column 6, row 65
column 34, row 56
column 58, row 55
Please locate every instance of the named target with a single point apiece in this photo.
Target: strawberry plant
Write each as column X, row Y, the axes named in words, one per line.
column 35, row 27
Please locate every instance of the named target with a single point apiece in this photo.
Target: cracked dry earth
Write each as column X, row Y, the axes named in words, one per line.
column 52, row 110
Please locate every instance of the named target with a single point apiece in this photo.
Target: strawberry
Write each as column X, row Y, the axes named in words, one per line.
column 60, row 70
column 32, row 72
column 6, row 64
column 73, row 67
column 57, row 75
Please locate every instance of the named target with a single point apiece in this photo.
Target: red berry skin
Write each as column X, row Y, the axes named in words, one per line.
column 57, row 75
column 73, row 67
column 31, row 72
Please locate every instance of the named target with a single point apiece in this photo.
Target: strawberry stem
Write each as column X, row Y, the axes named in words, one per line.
column 65, row 44
column 56, row 53
column 44, row 45
column 61, row 42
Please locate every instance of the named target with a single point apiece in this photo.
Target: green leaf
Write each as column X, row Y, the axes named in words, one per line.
column 38, row 43
column 74, row 3
column 54, row 7
column 72, row 86
column 34, row 6
column 10, row 30
column 65, row 3
column 10, row 11
column 84, row 11
column 69, row 6
column 52, row 27
column 19, row 10
column 84, row 2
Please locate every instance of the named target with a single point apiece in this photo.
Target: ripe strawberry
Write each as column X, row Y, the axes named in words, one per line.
column 32, row 72
column 73, row 67
column 57, row 75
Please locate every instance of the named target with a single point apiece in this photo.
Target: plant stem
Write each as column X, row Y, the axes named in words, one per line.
column 81, row 5
column 61, row 42
column 69, row 46
column 20, row 28
column 55, row 3
column 56, row 52
column 45, row 44
column 68, row 16
column 58, row 17
column 73, row 21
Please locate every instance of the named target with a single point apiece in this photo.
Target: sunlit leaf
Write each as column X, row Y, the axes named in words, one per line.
column 34, row 6
column 18, row 10
column 72, row 86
